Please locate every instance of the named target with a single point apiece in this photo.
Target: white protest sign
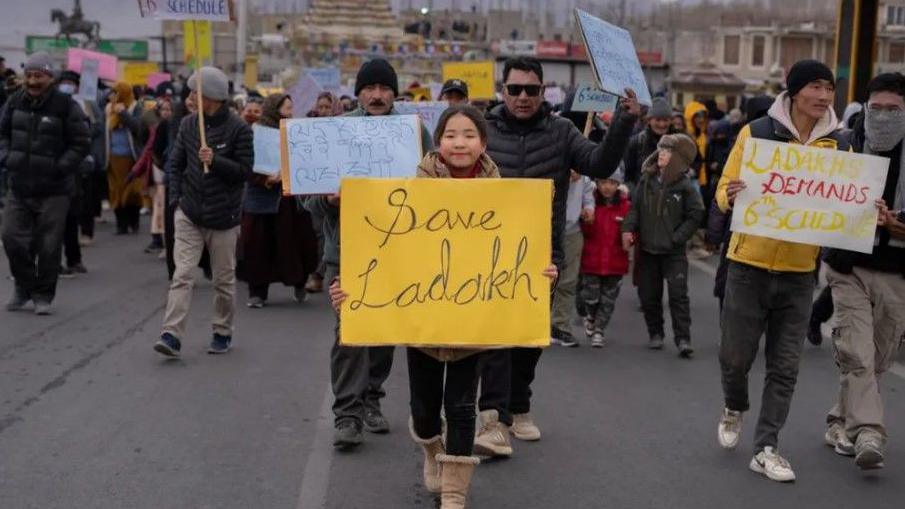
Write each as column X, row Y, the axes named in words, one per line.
column 327, row 77
column 304, row 95
column 267, row 150
column 88, row 80
column 590, row 98
column 429, row 111
column 554, row 95
column 322, row 151
column 809, row 195
column 613, row 57
column 212, row 10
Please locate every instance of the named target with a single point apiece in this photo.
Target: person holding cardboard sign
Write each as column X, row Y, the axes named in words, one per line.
column 770, row 282
column 527, row 141
column 358, row 374
column 446, row 377
column 208, row 206
column 868, row 290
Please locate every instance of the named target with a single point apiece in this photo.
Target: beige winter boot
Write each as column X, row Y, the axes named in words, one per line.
column 493, row 437
column 523, row 428
column 432, row 447
column 455, row 473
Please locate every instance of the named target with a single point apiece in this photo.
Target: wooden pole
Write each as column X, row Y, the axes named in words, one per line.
column 589, row 124
column 200, row 89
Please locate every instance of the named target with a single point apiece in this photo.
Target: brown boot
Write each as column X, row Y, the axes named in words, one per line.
column 432, row 448
column 455, row 474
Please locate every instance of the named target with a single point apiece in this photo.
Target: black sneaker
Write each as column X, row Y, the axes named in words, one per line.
column 346, row 434
column 815, row 335
column 685, row 349
column 17, row 302
column 66, row 273
column 375, row 422
column 219, row 344
column 168, row 345
column 78, row 268
column 563, row 338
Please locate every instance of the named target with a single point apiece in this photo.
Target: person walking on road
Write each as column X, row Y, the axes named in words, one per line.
column 643, row 144
column 527, row 141
column 358, row 374
column 666, row 210
column 770, row 282
column 604, row 260
column 44, row 139
column 868, row 290
column 125, row 137
column 277, row 241
column 206, row 187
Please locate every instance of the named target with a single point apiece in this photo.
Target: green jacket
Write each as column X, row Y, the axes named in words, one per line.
column 665, row 211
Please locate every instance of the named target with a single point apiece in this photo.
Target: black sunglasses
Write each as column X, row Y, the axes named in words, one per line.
column 531, row 90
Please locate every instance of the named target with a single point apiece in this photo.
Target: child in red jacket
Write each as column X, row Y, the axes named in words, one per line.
column 603, row 260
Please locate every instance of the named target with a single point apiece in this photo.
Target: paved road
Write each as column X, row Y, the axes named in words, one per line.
column 90, row 417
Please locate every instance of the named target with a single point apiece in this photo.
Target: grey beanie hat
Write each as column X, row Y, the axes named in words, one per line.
column 660, row 109
column 214, row 81
column 617, row 176
column 40, row 61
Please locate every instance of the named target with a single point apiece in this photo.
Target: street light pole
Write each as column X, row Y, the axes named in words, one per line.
column 241, row 36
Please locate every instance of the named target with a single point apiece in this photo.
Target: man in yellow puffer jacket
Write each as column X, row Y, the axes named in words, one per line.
column 770, row 282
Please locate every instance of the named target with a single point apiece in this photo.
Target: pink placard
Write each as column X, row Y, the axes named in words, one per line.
column 157, row 78
column 106, row 63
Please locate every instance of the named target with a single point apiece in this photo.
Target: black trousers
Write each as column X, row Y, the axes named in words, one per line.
column 33, row 240
column 771, row 304
column 71, row 247
column 653, row 270
column 506, row 377
column 822, row 309
column 457, row 396
column 90, row 204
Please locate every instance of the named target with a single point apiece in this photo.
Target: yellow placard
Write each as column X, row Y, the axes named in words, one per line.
column 478, row 75
column 445, row 262
column 205, row 41
column 136, row 73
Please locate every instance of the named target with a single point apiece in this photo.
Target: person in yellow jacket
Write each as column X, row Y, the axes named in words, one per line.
column 696, row 121
column 770, row 282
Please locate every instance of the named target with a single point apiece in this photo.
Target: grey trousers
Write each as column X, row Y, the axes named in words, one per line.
column 758, row 302
column 564, row 294
column 33, row 240
column 357, row 373
column 870, row 309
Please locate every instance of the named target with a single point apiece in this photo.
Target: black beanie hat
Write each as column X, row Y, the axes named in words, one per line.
column 70, row 76
column 377, row 72
column 805, row 72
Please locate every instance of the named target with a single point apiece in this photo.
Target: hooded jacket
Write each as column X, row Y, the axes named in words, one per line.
column 666, row 208
column 602, row 254
column 761, row 252
column 432, row 167
column 640, row 147
column 700, row 139
column 548, row 146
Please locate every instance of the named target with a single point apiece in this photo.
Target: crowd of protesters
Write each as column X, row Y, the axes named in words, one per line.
column 638, row 192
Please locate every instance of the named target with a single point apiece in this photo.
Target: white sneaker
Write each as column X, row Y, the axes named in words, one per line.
column 597, row 340
column 523, row 428
column 588, row 327
column 730, row 429
column 769, row 463
column 835, row 437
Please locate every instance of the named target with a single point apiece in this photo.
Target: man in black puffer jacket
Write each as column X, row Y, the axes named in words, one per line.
column 43, row 139
column 527, row 141
column 208, row 202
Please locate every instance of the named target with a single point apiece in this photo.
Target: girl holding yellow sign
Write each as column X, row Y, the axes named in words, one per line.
column 447, row 378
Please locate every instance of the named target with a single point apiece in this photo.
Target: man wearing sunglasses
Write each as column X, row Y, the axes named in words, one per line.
column 526, row 140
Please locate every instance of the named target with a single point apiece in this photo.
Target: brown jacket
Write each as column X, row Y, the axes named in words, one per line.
column 432, row 167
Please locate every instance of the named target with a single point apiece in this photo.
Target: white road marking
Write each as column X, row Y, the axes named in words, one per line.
column 316, row 477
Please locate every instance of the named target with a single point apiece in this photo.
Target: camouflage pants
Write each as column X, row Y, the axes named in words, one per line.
column 599, row 294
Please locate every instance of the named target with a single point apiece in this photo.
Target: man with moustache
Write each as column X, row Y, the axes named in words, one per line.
column 358, row 374
column 44, row 138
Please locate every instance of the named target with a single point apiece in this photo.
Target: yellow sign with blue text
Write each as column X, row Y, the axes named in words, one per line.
column 478, row 76
column 445, row 262
column 809, row 195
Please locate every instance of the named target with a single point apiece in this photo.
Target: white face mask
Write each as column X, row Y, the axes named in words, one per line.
column 67, row 88
column 884, row 129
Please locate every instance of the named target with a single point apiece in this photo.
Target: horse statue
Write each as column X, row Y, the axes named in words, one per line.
column 75, row 24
